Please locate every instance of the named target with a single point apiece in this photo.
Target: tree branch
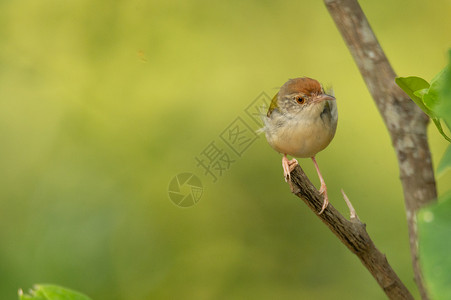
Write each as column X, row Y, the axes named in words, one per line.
column 353, row 234
column 405, row 122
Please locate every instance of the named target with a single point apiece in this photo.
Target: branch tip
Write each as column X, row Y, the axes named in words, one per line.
column 352, row 212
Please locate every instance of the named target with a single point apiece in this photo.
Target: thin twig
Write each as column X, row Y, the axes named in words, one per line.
column 352, row 212
column 353, row 234
column 405, row 122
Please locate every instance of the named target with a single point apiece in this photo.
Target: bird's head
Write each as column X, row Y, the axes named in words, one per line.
column 300, row 96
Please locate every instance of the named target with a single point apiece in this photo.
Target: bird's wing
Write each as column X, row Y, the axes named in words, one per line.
column 273, row 104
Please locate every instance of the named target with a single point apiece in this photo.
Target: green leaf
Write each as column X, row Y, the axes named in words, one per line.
column 445, row 162
column 438, row 77
column 435, row 99
column 432, row 98
column 51, row 292
column 421, row 93
column 440, row 129
column 445, row 105
column 434, row 225
column 412, row 84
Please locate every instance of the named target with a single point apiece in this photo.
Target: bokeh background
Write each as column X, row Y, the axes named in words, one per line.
column 102, row 103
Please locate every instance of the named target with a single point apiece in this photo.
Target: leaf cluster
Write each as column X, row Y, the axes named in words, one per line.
column 434, row 99
column 434, row 221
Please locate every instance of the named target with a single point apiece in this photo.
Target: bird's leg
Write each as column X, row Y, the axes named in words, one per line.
column 288, row 166
column 323, row 188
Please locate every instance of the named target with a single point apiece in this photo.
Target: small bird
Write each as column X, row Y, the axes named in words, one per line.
column 301, row 121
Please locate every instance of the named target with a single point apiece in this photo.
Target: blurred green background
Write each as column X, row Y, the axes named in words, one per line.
column 102, row 103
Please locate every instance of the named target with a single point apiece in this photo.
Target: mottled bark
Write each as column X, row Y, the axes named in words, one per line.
column 405, row 122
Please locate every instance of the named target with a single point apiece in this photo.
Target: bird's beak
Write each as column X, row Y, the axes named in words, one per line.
column 323, row 97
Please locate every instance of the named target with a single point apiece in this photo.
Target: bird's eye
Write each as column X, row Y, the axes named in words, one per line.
column 300, row 100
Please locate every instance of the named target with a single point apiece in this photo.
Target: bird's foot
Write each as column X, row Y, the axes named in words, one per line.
column 288, row 167
column 323, row 188
column 323, row 191
column 293, row 164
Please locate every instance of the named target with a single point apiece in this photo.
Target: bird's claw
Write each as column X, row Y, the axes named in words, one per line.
column 323, row 191
column 325, row 204
column 288, row 167
column 292, row 164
